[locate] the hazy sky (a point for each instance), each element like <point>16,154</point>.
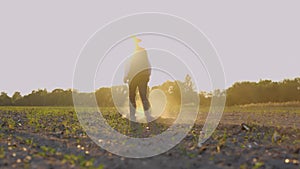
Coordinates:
<point>40,41</point>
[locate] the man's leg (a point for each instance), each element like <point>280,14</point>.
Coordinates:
<point>146,104</point>
<point>143,89</point>
<point>132,103</point>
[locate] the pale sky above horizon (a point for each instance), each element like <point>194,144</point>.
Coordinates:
<point>40,41</point>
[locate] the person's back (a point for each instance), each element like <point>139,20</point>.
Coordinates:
<point>138,66</point>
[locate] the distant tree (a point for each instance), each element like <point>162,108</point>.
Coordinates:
<point>5,100</point>
<point>104,97</point>
<point>120,95</point>
<point>16,96</point>
<point>60,97</point>
<point>188,83</point>
<point>189,95</point>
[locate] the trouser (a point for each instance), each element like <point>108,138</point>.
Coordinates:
<point>140,82</point>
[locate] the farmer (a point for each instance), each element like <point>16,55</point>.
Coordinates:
<point>137,75</point>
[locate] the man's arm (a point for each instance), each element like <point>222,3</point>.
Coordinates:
<point>126,71</point>
<point>148,64</point>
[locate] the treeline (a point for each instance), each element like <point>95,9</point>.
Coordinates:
<point>240,93</point>
<point>104,96</point>
<point>264,91</point>
<point>41,97</point>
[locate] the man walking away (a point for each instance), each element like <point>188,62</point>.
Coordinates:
<point>137,75</point>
